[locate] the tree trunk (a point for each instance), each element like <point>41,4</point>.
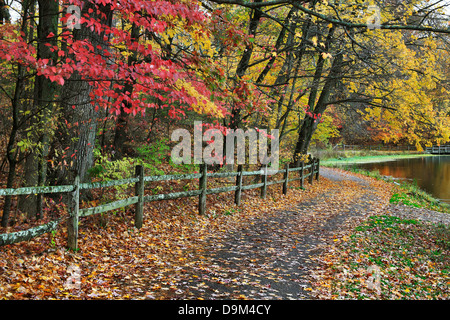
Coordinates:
<point>77,109</point>
<point>4,13</point>
<point>44,95</point>
<point>310,124</point>
<point>11,154</point>
<point>120,133</point>
<point>243,64</point>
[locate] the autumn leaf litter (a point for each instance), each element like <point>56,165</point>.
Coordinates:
<point>303,245</point>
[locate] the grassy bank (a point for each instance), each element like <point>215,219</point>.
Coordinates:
<point>340,158</point>
<point>408,193</point>
<point>389,258</point>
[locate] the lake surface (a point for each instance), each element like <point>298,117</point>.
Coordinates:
<point>431,173</point>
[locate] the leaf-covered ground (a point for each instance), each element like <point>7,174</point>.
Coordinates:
<point>117,261</point>
<point>388,258</point>
<point>317,243</point>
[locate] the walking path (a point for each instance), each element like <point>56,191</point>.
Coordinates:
<point>272,258</point>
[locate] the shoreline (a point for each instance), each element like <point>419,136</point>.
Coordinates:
<point>411,192</point>
<point>371,159</point>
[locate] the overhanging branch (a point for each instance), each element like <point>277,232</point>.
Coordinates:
<point>347,24</point>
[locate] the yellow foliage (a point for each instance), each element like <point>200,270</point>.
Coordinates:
<point>203,104</point>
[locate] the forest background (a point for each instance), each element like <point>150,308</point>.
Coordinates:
<point>96,87</point>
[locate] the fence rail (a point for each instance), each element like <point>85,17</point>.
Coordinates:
<point>438,149</point>
<point>346,147</point>
<point>310,171</point>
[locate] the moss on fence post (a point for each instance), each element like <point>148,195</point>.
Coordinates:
<point>302,174</point>
<point>139,191</point>
<point>237,194</point>
<point>318,169</point>
<point>286,179</point>
<point>72,223</point>
<point>311,172</point>
<point>202,187</point>
<point>264,181</point>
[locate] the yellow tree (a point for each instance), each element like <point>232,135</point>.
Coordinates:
<point>343,62</point>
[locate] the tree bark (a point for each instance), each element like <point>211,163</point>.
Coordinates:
<point>4,13</point>
<point>310,123</point>
<point>121,129</point>
<point>11,149</point>
<point>243,64</point>
<point>77,109</point>
<point>44,95</point>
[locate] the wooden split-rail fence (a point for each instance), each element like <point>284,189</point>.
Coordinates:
<point>309,171</point>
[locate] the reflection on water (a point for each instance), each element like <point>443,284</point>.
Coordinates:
<point>431,173</point>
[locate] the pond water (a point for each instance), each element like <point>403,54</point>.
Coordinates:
<point>431,173</point>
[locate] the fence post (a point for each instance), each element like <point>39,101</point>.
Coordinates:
<point>286,178</point>
<point>202,186</point>
<point>318,169</point>
<point>72,223</point>
<point>264,180</point>
<point>302,172</point>
<point>311,171</point>
<point>237,194</point>
<point>139,191</point>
